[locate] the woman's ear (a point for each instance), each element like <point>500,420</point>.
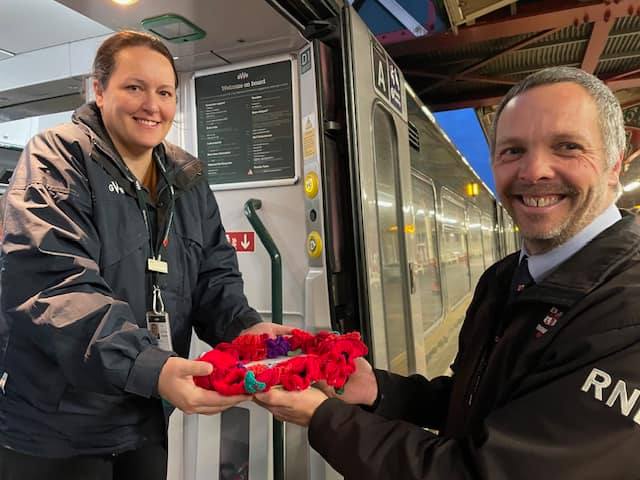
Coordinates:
<point>98,91</point>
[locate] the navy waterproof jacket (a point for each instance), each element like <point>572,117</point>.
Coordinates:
<point>78,368</point>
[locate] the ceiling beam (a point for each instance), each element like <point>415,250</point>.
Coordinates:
<point>597,41</point>
<point>485,61</point>
<point>469,78</point>
<point>624,83</point>
<point>531,18</point>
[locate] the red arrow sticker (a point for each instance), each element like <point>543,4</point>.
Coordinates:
<point>242,241</point>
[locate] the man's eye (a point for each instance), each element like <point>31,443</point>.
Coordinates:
<point>133,88</point>
<point>510,153</point>
<point>569,147</point>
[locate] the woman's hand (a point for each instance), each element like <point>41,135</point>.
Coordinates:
<point>273,329</point>
<point>176,386</point>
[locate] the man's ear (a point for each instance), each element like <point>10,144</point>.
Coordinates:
<point>614,172</point>
<point>98,92</point>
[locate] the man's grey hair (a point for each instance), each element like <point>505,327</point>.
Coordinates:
<point>610,117</point>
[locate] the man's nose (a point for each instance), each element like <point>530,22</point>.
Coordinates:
<point>536,165</point>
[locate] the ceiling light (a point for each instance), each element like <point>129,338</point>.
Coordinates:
<point>7,52</point>
<point>631,186</point>
<point>173,28</point>
<point>125,2</point>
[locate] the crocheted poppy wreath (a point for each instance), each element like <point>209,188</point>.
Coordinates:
<point>255,363</point>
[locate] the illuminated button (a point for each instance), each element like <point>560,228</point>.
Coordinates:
<point>314,244</point>
<point>311,184</point>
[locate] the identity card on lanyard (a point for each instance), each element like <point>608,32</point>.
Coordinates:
<point>157,318</point>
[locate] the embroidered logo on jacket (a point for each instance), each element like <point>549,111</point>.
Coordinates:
<point>115,188</point>
<point>601,380</point>
<point>548,322</point>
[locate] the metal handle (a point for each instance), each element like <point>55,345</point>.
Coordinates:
<point>250,208</point>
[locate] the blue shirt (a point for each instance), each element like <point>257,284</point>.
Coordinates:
<point>542,265</point>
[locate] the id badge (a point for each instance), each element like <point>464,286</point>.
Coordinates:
<point>160,329</point>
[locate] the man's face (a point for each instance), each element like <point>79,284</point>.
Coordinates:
<point>550,165</point>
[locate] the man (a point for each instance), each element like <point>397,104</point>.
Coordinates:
<point>546,383</point>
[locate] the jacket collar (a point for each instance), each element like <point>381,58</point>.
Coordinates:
<point>587,268</point>
<point>183,169</point>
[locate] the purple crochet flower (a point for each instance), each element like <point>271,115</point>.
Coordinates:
<point>277,347</point>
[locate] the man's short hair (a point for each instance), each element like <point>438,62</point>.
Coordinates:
<point>610,117</point>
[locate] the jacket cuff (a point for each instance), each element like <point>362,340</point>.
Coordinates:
<point>143,377</point>
<point>240,323</point>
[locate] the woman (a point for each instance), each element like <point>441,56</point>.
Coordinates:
<point>111,233</point>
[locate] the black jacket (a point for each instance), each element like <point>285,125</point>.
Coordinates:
<point>80,368</point>
<point>546,387</point>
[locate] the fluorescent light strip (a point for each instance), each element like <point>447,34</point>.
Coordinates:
<point>7,52</point>
<point>631,186</point>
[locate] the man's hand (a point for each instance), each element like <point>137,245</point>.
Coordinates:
<point>360,389</point>
<point>294,407</point>
<point>176,386</point>
<point>273,329</point>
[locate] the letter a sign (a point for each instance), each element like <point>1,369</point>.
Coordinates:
<point>381,72</point>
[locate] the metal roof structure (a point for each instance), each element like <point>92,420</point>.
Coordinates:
<point>475,64</point>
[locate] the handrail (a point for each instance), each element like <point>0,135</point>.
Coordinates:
<point>250,208</point>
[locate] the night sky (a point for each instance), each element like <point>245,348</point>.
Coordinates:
<point>463,128</point>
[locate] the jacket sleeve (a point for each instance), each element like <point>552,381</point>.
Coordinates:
<point>575,419</point>
<point>221,310</point>
<point>54,300</point>
<point>404,398</point>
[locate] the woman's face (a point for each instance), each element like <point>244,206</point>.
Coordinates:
<point>139,101</point>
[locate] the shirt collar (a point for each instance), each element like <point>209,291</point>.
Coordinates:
<point>542,265</point>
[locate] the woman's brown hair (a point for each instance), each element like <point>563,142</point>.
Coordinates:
<point>105,61</point>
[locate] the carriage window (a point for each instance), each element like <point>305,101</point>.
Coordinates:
<point>488,246</point>
<point>427,269</point>
<point>476,261</point>
<point>454,251</point>
<point>509,234</point>
<point>388,207</point>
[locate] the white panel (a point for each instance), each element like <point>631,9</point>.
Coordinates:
<point>48,64</point>
<point>81,55</point>
<point>28,25</point>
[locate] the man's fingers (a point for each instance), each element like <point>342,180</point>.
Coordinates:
<point>274,398</point>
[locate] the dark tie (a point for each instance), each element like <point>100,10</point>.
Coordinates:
<point>521,278</point>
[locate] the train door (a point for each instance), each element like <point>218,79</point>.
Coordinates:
<point>381,180</point>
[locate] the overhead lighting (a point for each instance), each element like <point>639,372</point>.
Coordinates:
<point>173,28</point>
<point>125,2</point>
<point>631,186</point>
<point>7,52</point>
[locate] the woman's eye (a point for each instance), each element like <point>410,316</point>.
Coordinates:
<point>133,88</point>
<point>166,93</point>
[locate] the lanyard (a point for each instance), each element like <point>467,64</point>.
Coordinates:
<point>156,247</point>
<point>155,264</point>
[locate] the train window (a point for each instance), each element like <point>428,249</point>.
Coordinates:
<point>454,249</point>
<point>476,261</point>
<point>488,244</point>
<point>427,268</point>
<point>509,234</point>
<point>234,444</point>
<point>389,211</point>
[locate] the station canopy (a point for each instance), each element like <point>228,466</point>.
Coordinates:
<point>487,46</point>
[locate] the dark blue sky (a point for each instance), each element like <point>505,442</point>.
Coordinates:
<point>464,129</point>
